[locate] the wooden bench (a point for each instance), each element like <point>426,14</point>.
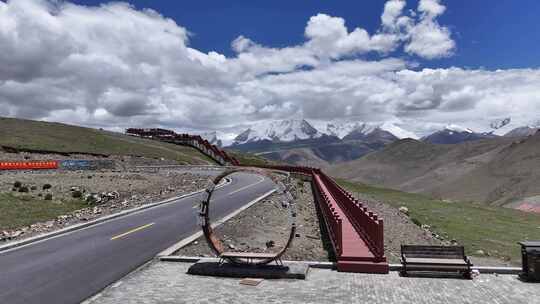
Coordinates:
<point>250,257</point>
<point>435,258</point>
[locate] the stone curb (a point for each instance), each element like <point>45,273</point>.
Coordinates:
<point>188,259</point>
<point>332,265</point>
<point>481,269</point>
<point>196,235</point>
<point>80,226</point>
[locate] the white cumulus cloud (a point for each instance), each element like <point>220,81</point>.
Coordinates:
<point>114,66</point>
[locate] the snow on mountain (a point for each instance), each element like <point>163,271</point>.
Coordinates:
<point>453,134</point>
<point>523,131</point>
<point>342,129</point>
<point>278,130</point>
<point>212,138</point>
<point>509,127</point>
<point>459,129</point>
<point>398,131</point>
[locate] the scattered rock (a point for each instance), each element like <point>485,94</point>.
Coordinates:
<point>480,252</point>
<point>48,197</point>
<point>76,194</point>
<point>47,186</point>
<point>404,210</point>
<point>425,227</point>
<point>270,244</point>
<point>17,184</point>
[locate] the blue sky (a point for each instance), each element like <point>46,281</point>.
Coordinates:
<point>497,34</point>
<point>412,66</point>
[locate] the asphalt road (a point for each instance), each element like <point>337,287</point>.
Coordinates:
<point>74,266</point>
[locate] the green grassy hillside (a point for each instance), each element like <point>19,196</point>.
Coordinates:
<point>57,137</point>
<point>495,230</point>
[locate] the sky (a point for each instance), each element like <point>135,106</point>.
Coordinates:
<point>201,66</point>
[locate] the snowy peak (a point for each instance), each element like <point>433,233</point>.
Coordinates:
<point>344,129</point>
<point>455,128</point>
<point>212,138</point>
<point>279,130</point>
<point>454,134</point>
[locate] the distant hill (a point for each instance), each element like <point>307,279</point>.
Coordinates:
<point>496,171</point>
<point>32,135</point>
<point>453,134</point>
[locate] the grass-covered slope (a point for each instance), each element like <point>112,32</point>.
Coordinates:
<point>18,211</point>
<point>494,230</point>
<point>57,137</point>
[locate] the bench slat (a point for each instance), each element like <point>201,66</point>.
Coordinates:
<point>436,261</point>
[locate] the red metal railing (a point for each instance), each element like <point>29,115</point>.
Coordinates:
<point>364,221</point>
<point>195,141</point>
<point>333,221</point>
<point>337,205</point>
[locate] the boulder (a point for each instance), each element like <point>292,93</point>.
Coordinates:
<point>404,210</point>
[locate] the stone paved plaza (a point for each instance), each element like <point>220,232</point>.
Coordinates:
<point>167,282</point>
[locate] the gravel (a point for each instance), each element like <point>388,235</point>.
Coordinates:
<point>265,227</point>
<point>106,192</point>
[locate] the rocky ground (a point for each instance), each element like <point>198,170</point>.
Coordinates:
<point>265,227</point>
<point>122,162</point>
<point>102,192</point>
<point>400,229</point>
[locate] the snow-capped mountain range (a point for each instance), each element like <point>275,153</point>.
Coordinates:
<point>278,130</point>
<point>290,130</point>
<point>299,129</point>
<point>342,129</point>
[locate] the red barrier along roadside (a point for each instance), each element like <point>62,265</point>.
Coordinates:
<point>357,234</point>
<point>30,165</point>
<point>195,141</point>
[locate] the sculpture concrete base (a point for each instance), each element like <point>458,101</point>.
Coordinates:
<point>297,271</point>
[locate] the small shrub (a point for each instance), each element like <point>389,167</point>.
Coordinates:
<point>76,194</point>
<point>40,194</point>
<point>24,189</point>
<point>47,186</point>
<point>14,189</point>
<point>17,184</point>
<point>33,188</point>
<point>48,197</point>
<point>416,222</point>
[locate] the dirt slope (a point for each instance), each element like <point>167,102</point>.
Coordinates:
<point>494,171</point>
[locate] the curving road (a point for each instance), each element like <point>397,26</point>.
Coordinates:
<point>74,266</point>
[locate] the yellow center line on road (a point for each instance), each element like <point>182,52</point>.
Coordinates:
<point>245,187</point>
<point>131,231</point>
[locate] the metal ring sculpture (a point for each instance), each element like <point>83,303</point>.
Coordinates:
<point>214,242</point>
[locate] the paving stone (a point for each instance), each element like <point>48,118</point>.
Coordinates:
<point>167,282</point>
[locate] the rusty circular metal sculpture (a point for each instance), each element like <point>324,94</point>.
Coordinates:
<point>213,241</point>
